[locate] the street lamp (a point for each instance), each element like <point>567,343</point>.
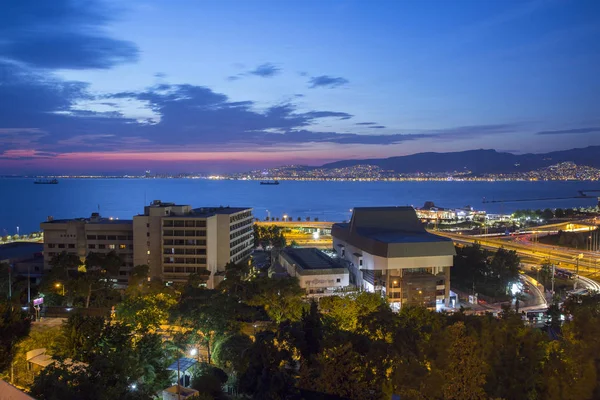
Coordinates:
<point>285,217</point>
<point>58,285</point>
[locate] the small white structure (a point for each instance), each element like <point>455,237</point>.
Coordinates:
<point>317,273</point>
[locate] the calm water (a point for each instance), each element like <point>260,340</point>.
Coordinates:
<point>25,205</point>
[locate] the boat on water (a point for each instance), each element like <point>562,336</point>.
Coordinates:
<point>46,181</point>
<point>269,182</point>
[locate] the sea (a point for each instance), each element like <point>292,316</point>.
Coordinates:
<point>24,205</point>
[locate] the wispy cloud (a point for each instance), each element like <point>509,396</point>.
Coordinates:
<point>571,131</point>
<point>266,70</point>
<point>376,126</point>
<point>366,123</point>
<point>327,81</point>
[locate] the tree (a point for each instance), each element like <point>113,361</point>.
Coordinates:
<point>268,376</point>
<point>465,377</point>
<point>146,312</point>
<point>207,312</point>
<point>14,327</point>
<point>6,280</point>
<point>344,372</point>
<point>547,214</point>
<point>80,334</point>
<point>209,380</point>
<point>560,213</point>
<point>231,353</point>
<point>120,365</point>
<point>281,298</point>
<point>343,312</point>
<point>94,275</point>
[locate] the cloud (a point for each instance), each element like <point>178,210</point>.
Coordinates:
<point>377,127</point>
<point>327,81</point>
<point>469,131</point>
<point>570,131</point>
<point>266,70</point>
<point>66,34</point>
<point>366,123</point>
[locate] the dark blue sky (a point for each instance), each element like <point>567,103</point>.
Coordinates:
<point>216,85</point>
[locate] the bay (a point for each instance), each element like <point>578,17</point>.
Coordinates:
<point>25,205</point>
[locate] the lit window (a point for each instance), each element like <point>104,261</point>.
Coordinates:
<point>122,246</point>
<point>111,246</point>
<point>148,252</point>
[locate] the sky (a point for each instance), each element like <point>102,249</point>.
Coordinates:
<point>230,85</point>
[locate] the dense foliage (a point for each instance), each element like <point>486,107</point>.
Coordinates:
<point>350,346</point>
<point>479,270</point>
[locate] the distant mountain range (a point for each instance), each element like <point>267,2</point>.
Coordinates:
<point>477,161</point>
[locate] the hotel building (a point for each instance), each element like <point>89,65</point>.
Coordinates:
<point>177,240</point>
<point>390,252</point>
<point>80,236</point>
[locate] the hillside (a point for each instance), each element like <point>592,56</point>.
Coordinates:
<point>477,161</point>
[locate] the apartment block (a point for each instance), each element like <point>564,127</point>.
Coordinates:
<point>177,240</point>
<point>81,236</point>
<point>390,252</point>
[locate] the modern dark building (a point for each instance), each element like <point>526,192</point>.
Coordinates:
<point>389,251</point>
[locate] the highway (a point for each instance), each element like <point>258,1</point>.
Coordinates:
<point>589,265</point>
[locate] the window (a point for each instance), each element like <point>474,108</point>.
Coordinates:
<point>122,237</point>
<point>148,252</point>
<point>51,245</point>
<point>112,237</point>
<point>130,247</point>
<point>91,237</point>
<point>91,246</point>
<point>122,246</point>
<point>101,237</point>
<point>147,234</point>
<point>147,225</point>
<point>71,246</point>
<point>111,246</point>
<point>338,280</point>
<point>360,262</point>
<point>61,246</point>
<point>101,246</point>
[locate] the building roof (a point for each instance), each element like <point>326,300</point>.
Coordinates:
<point>209,211</point>
<point>19,250</point>
<point>92,220</point>
<point>9,392</point>
<point>184,364</point>
<point>391,232</point>
<point>310,259</point>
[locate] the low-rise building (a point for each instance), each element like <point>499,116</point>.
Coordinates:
<point>317,273</point>
<point>178,240</point>
<point>390,252</point>
<point>80,236</point>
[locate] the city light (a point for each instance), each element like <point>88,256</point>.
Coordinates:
<point>193,352</point>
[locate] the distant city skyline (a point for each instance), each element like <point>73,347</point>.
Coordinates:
<point>222,86</point>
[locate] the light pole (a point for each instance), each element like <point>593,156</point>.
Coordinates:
<point>285,217</point>
<point>58,285</point>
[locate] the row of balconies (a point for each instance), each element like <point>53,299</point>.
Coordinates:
<point>184,223</point>
<point>186,242</point>
<point>184,233</point>
<point>184,251</point>
<point>184,261</point>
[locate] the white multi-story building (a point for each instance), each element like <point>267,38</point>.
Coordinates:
<point>389,251</point>
<point>177,240</point>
